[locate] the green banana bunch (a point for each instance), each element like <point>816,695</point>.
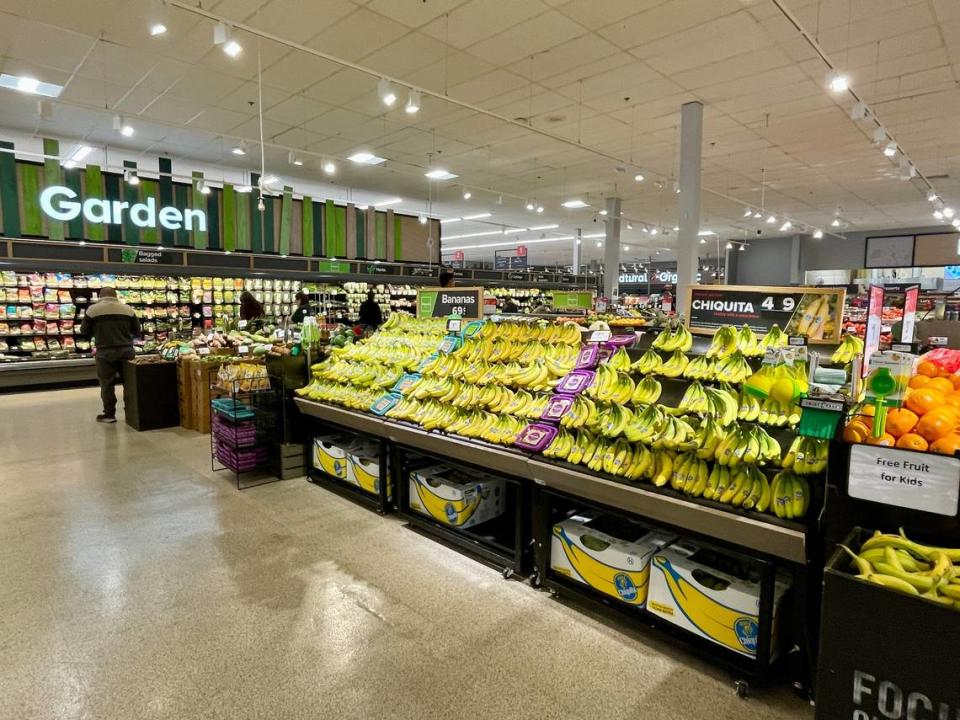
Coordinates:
<point>807,456</point>
<point>791,495</point>
<point>724,342</point>
<point>850,346</point>
<point>648,364</point>
<point>733,369</point>
<point>614,420</point>
<point>675,434</point>
<point>620,360</point>
<point>675,365</point>
<point>700,368</point>
<point>645,425</point>
<point>677,338</point>
<point>580,411</point>
<point>561,446</point>
<point>747,344</point>
<point>694,400</point>
<point>775,338</point>
<point>646,392</point>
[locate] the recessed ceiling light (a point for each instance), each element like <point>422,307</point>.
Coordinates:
<point>391,201</point>
<point>477,216</point>
<point>385,90</point>
<point>30,85</point>
<point>575,204</point>
<point>440,174</point>
<point>366,158</point>
<point>329,167</point>
<point>817,234</point>
<point>639,177</point>
<point>158,29</point>
<point>836,82</point>
<point>239,149</point>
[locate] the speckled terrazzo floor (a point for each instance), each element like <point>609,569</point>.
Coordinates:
<point>135,583</point>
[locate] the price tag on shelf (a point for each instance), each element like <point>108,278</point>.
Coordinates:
<point>797,341</point>
<point>297,335</point>
<point>937,341</point>
<point>454,325</point>
<point>919,481</point>
<point>278,333</point>
<point>203,351</point>
<point>599,336</point>
<point>242,324</point>
<point>243,349</point>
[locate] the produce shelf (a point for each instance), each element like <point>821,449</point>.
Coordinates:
<point>363,422</point>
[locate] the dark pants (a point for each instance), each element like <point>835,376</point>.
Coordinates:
<point>109,373</point>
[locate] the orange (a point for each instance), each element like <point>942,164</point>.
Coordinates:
<point>912,441</point>
<point>900,421</point>
<point>928,368</point>
<point>923,400</point>
<point>940,384</point>
<point>947,445</point>
<point>946,411</point>
<point>918,381</point>
<point>855,432</point>
<point>935,425</point>
<point>887,440</point>
<point>955,379</point>
<point>868,410</point>
<point>953,400</point>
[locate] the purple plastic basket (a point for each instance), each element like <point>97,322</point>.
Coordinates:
<point>622,340</point>
<point>588,357</point>
<point>536,436</point>
<point>241,460</point>
<point>574,383</point>
<point>557,407</point>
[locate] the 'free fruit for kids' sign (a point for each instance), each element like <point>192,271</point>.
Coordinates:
<point>467,302</point>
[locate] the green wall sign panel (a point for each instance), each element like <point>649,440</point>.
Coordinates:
<point>333,266</point>
<point>9,194</point>
<point>52,176</point>
<point>572,300</point>
<point>93,187</point>
<point>131,196</point>
<point>168,238</point>
<point>286,220</point>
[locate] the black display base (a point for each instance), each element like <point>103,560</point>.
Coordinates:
<point>347,490</point>
<point>150,395</point>
<point>884,654</point>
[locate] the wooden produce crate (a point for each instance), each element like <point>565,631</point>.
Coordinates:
<point>202,375</point>
<point>185,394</point>
<point>291,460</point>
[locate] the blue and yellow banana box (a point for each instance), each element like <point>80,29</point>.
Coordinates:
<point>455,498</point>
<point>363,467</point>
<point>610,555</point>
<point>330,455</point>
<point>712,595</point>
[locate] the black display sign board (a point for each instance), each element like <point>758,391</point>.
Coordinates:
<point>422,271</point>
<point>379,269</point>
<point>509,262</point>
<point>814,313</point>
<point>517,276</point>
<point>442,302</point>
<point>150,256</point>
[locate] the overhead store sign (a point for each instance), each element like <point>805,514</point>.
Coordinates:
<point>59,203</point>
<point>465,302</point>
<point>572,300</point>
<point>658,276</point>
<point>814,313</point>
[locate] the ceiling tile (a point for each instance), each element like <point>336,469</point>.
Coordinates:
<point>530,37</point>
<point>477,20</point>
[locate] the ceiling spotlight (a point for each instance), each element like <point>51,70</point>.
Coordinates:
<point>890,149</point>
<point>222,36</point>
<point>603,212</point>
<point>629,226</point>
<point>817,234</point>
<point>387,96</point>
<point>413,103</point>
<point>122,126</point>
<point>771,219</point>
<point>539,208</point>
<point>599,243</point>
<point>676,228</point>
<point>676,186</point>
<point>743,246</point>
<point>158,29</point>
<point>131,177</point>
<point>703,241</point>
<point>786,226</point>
<point>423,219</point>
<point>329,167</point>
<point>239,149</point>
<point>626,248</point>
<point>757,215</point>
<point>835,223</point>
<point>879,135</point>
<point>530,206</point>
<point>294,159</point>
<point>729,245</point>
<point>467,194</point>
<point>836,82</point>
<point>654,231</point>
<point>859,111</point>
<point>261,205</point>
<point>748,212</point>
<point>646,229</point>
<point>202,187</point>
<point>938,214</point>
<point>932,196</point>
<point>948,212</point>
<point>639,177</point>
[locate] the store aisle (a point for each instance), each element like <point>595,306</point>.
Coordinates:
<point>135,583</point>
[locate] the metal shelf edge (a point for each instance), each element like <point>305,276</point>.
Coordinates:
<point>347,418</point>
<point>744,531</point>
<point>464,450</point>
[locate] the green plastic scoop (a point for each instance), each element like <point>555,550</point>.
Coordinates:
<point>880,384</point>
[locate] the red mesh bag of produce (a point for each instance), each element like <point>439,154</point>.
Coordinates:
<point>945,358</point>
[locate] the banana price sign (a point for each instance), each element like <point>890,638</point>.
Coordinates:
<point>813,313</point>
<point>465,302</point>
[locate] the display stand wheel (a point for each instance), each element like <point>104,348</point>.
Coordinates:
<point>507,573</point>
<point>743,689</point>
<point>535,580</point>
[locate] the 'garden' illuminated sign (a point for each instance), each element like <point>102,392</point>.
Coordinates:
<point>59,203</point>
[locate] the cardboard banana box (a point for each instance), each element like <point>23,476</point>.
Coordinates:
<point>615,562</point>
<point>456,498</point>
<point>363,467</point>
<point>330,455</point>
<point>708,601</point>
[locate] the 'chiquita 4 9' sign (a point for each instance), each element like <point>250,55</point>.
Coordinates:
<point>60,203</point>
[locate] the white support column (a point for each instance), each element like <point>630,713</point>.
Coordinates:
<point>691,142</point>
<point>611,250</point>
<point>576,251</point>
<point>796,277</point>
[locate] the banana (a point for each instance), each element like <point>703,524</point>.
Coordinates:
<point>664,468</point>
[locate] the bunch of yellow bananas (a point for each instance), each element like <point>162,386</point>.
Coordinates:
<point>675,365</point>
<point>702,399</point>
<point>745,486</point>
<point>646,392</point>
<point>346,395</point>
<point>700,368</point>
<point>580,411</point>
<point>620,360</point>
<point>791,495</point>
<point>850,346</point>
<point>709,435</point>
<point>724,343</point>
<point>676,338</point>
<point>614,420</point>
<point>648,364</point>
<point>775,338</point>
<point>689,474</point>
<point>675,433</point>
<point>748,445</point>
<point>645,425</point>
<point>733,369</point>
<point>521,330</point>
<point>504,431</point>
<point>807,456</point>
<point>911,568</point>
<point>611,385</point>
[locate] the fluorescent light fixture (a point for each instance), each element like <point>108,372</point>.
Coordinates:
<point>593,236</point>
<point>486,233</point>
<point>79,154</point>
<point>748,212</point>
<point>511,243</point>
<point>366,158</point>
<point>575,204</point>
<point>440,174</point>
<point>836,82</point>
<point>948,212</point>
<point>938,214</point>
<point>639,177</point>
<point>244,189</point>
<point>413,103</point>
<point>467,194</point>
<point>706,233</point>
<point>329,167</point>
<point>817,234</point>
<point>890,149</point>
<point>835,223</point>
<point>28,85</point>
<point>239,149</point>
<point>531,205</point>
<point>477,216</point>
<point>771,219</point>
<point>511,231</point>
<point>450,220</point>
<point>157,28</point>
<point>387,96</point>
<point>932,196</point>
<point>69,164</point>
<point>363,206</point>
<point>729,245</point>
<point>294,159</point>
<point>423,219</point>
<point>544,227</point>
<point>391,201</point>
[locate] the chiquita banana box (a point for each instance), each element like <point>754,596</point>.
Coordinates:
<point>363,467</point>
<point>721,605</point>
<point>455,498</point>
<point>582,551</point>
<point>330,455</point>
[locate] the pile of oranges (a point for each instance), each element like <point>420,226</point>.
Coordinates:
<point>928,421</point>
